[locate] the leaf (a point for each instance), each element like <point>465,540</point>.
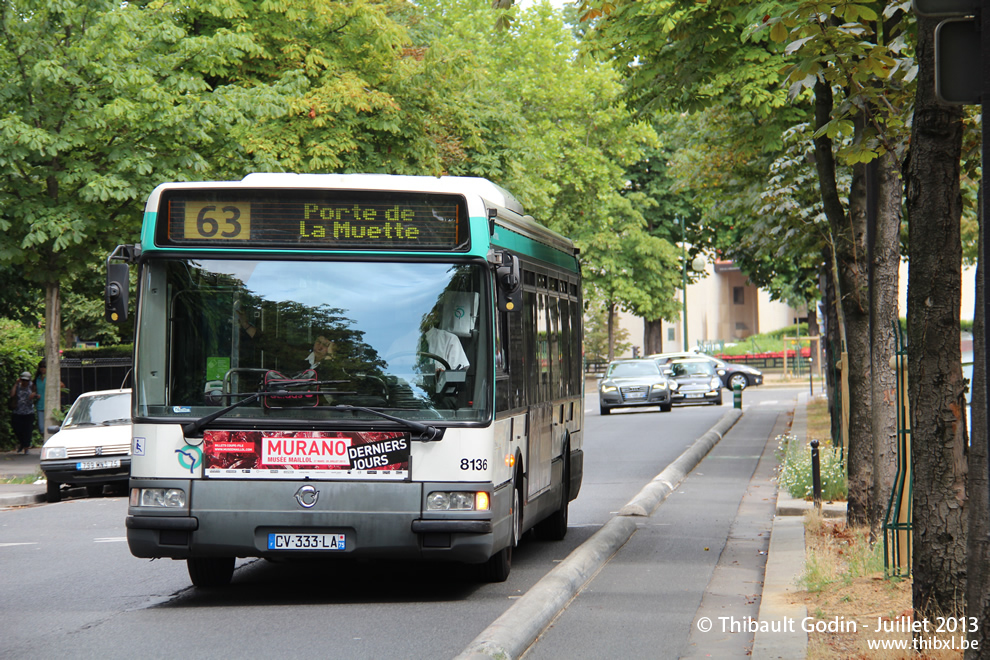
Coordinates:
<point>779,33</point>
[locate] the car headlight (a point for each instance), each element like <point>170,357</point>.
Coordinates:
<point>457,501</point>
<point>673,385</point>
<point>660,386</point>
<point>716,383</point>
<point>53,453</point>
<point>164,498</point>
<point>609,388</point>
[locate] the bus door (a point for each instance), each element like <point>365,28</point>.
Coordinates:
<point>541,412</point>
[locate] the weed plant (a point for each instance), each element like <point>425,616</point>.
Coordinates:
<point>795,472</point>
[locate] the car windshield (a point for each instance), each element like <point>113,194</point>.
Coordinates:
<point>692,369</point>
<point>100,409</point>
<point>407,338</point>
<point>633,369</point>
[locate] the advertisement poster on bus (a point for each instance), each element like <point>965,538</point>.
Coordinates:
<point>298,454</point>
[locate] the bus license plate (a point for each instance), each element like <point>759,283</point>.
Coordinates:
<point>98,465</point>
<point>306,542</point>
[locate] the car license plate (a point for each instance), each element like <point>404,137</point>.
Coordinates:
<point>635,395</point>
<point>306,542</point>
<point>694,396</point>
<point>98,465</point>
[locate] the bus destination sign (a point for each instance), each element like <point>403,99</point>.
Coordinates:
<point>314,219</point>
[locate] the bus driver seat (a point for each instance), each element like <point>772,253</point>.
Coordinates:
<point>458,318</point>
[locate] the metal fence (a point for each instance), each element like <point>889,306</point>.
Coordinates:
<point>80,375</point>
<point>897,524</point>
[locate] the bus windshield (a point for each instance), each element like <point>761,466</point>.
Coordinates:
<point>407,338</point>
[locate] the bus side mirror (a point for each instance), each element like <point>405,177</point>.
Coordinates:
<point>508,282</point>
<point>115,298</point>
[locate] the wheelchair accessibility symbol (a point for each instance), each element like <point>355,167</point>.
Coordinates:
<point>190,457</point>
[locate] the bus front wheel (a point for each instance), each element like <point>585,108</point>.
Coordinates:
<point>210,571</point>
<point>498,566</point>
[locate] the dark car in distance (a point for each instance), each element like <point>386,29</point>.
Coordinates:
<point>730,373</point>
<point>695,381</point>
<point>629,383</point>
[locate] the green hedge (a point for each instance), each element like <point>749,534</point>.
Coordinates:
<point>21,349</point>
<point>118,351</point>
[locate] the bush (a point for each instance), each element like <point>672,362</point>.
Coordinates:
<point>795,471</point>
<point>21,350</point>
<point>116,351</point>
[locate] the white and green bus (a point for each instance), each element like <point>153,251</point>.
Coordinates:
<point>349,366</point>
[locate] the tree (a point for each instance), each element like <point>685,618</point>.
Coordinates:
<point>671,215</point>
<point>558,135</point>
<point>103,101</point>
<point>936,387</point>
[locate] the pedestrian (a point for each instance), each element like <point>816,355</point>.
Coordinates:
<point>22,397</point>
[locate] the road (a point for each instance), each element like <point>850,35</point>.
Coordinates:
<point>71,588</point>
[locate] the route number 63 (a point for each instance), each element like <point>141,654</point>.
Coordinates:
<point>217,221</point>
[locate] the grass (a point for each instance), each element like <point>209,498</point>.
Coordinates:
<point>22,479</point>
<point>844,581</point>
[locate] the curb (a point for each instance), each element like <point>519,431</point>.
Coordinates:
<point>784,637</point>
<point>21,499</point>
<point>512,633</point>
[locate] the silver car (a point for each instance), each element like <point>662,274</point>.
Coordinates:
<point>629,383</point>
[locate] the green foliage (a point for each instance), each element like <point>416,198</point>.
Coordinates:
<point>596,332</point>
<point>21,349</point>
<point>795,473</point>
<point>871,61</point>
<point>555,131</point>
<point>117,351</point>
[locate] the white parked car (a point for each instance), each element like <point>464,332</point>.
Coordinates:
<point>92,448</point>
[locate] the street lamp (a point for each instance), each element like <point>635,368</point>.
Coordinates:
<point>697,265</point>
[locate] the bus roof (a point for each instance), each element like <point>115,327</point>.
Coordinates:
<point>490,192</point>
<point>510,212</point>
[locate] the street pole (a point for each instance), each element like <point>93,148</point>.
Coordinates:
<point>684,281</point>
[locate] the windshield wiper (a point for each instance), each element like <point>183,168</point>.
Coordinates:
<point>427,432</point>
<point>119,420</point>
<point>191,429</point>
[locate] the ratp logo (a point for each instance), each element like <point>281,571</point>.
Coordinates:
<point>190,457</point>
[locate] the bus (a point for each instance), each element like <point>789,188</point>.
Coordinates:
<point>360,365</point>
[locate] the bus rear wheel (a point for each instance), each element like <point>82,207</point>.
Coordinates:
<point>554,526</point>
<point>210,571</point>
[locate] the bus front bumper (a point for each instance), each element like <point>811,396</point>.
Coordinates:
<point>377,520</point>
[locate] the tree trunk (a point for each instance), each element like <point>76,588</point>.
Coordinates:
<point>886,256</point>
<point>831,345</point>
<point>652,337</point>
<point>935,383</point>
<point>853,281</point>
<point>978,546</point>
<point>611,329</point>
<point>53,358</point>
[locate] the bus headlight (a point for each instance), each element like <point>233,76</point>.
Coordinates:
<point>166,498</point>
<point>457,501</point>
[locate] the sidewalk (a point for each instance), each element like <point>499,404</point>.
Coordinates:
<point>786,563</point>
<point>13,464</point>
